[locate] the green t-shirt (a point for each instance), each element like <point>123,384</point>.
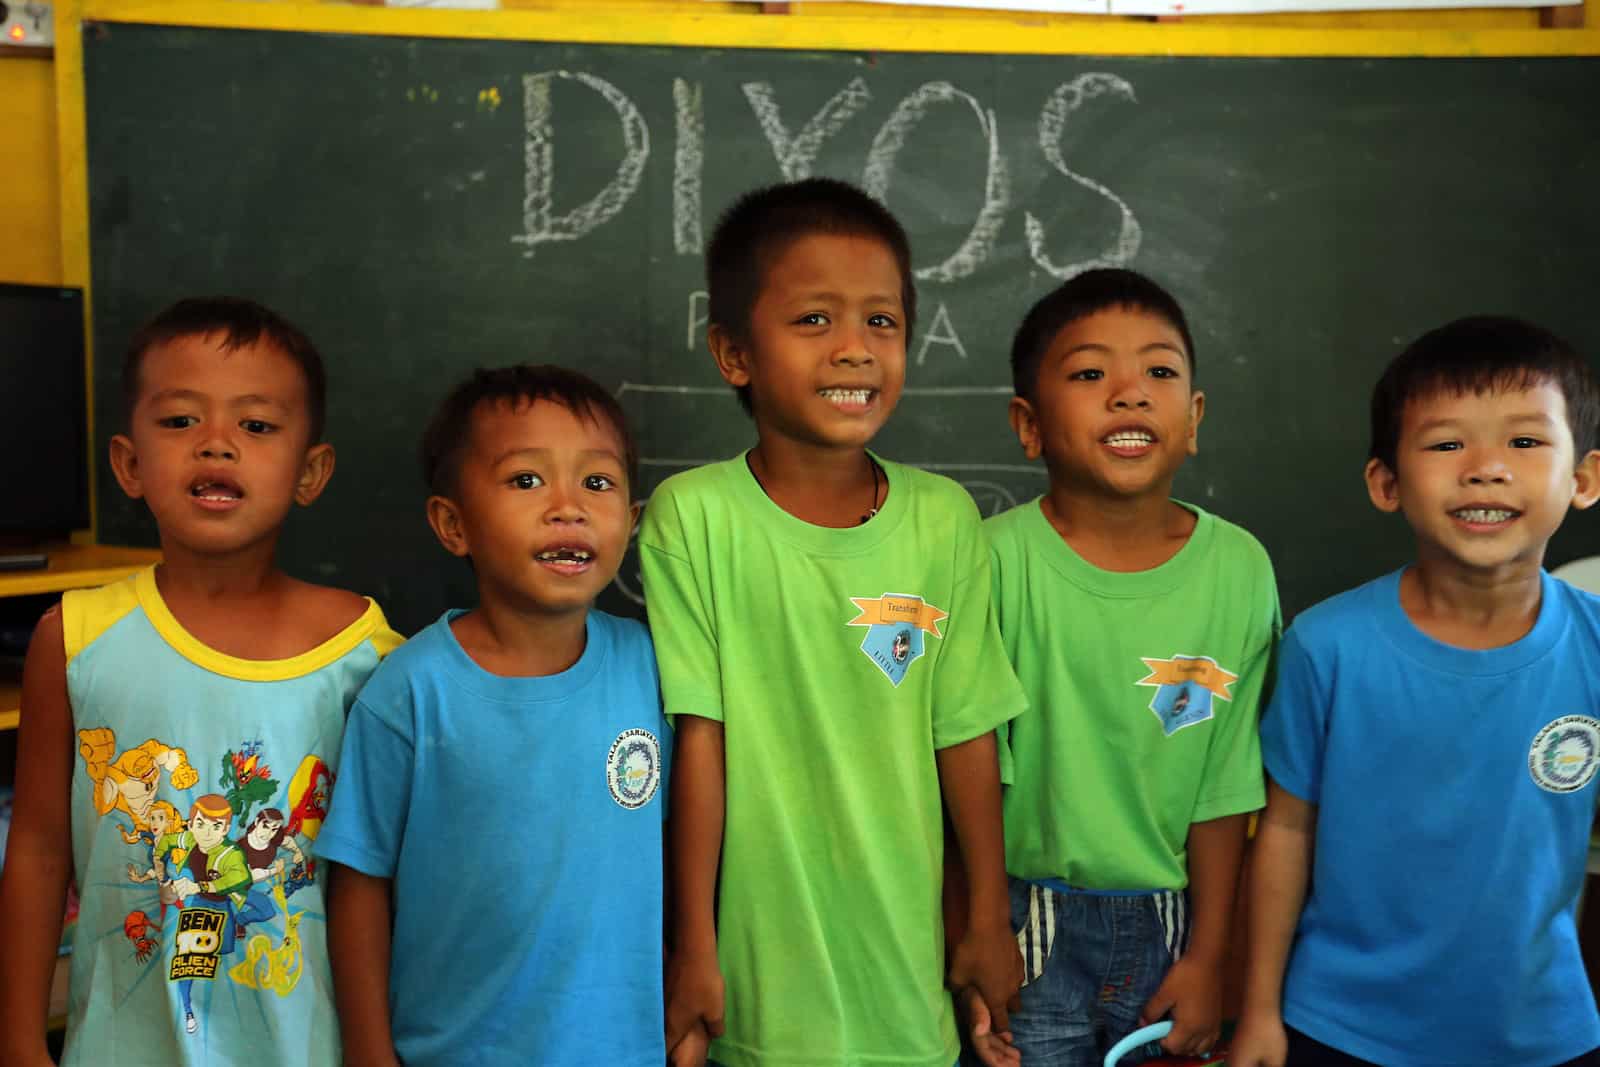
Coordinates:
<point>838,661</point>
<point>1145,690</point>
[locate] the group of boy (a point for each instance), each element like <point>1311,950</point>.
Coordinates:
<point>850,675</point>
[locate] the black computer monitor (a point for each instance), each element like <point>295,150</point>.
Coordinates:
<point>44,446</point>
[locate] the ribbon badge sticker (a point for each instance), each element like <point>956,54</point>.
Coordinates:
<point>895,625</point>
<point>1185,686</point>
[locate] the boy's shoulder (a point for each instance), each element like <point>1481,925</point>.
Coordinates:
<point>706,479</point>
<point>1355,611</point>
<point>930,489</point>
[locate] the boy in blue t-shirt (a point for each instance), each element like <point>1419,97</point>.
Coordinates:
<point>1433,739</point>
<point>497,820</point>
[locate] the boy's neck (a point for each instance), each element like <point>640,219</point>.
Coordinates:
<point>515,643</point>
<point>833,487</point>
<point>1472,609</point>
<point>1122,534</point>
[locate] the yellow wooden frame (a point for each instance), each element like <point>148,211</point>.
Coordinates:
<point>982,33</point>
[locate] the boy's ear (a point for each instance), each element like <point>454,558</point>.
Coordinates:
<point>1197,411</point>
<point>733,358</point>
<point>1586,481</point>
<point>445,518</point>
<point>315,471</point>
<point>635,509</point>
<point>125,465</point>
<point>1025,424</point>
<point>1383,486</point>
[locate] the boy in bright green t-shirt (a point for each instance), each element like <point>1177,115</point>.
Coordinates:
<point>824,629</point>
<point>1142,630</point>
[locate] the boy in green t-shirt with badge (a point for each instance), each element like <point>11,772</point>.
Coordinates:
<point>1142,630</point>
<point>823,626</point>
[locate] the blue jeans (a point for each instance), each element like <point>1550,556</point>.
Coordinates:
<point>1091,961</point>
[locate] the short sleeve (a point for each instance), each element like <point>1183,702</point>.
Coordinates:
<point>1233,783</point>
<point>1002,733</point>
<point>366,822</point>
<point>681,621</point>
<point>974,687</point>
<point>1296,723</point>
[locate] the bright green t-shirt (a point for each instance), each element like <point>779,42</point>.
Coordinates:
<point>838,661</point>
<point>1145,689</point>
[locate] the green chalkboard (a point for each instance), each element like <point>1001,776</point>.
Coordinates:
<point>422,206</point>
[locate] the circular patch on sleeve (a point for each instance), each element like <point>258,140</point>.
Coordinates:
<point>633,768</point>
<point>1565,754</point>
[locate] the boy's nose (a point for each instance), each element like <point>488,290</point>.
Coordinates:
<point>852,350</point>
<point>217,448</point>
<point>1130,394</point>
<point>564,507</point>
<point>1485,470</point>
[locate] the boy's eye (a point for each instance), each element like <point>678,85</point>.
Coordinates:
<point>526,480</point>
<point>257,426</point>
<point>882,322</point>
<point>812,318</point>
<point>1445,446</point>
<point>1090,374</point>
<point>1163,372</point>
<point>599,483</point>
<point>177,422</point>
<point>1525,442</point>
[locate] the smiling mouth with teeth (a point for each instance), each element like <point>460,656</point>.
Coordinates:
<point>1128,439</point>
<point>1485,516</point>
<point>857,397</point>
<point>565,555</point>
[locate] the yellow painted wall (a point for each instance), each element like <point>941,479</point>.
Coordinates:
<point>30,221</point>
<point>31,247</point>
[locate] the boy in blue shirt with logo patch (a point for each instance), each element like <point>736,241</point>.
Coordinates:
<point>1433,739</point>
<point>497,820</point>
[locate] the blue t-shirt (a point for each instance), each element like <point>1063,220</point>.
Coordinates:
<point>1454,792</point>
<point>520,821</point>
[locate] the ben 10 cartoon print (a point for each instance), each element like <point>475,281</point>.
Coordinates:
<point>208,870</point>
<point>1185,687</point>
<point>895,625</point>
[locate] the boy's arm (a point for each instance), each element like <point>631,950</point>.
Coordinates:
<point>1280,869</point>
<point>694,980</point>
<point>1192,989</point>
<point>38,861</point>
<point>359,914</point>
<point>987,957</point>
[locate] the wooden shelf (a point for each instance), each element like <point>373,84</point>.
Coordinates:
<point>77,567</point>
<point>71,567</point>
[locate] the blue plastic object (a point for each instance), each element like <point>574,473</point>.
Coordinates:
<point>1153,1032</point>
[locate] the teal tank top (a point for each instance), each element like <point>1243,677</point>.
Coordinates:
<point>201,781</point>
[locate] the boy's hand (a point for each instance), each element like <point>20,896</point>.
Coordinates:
<point>691,1051</point>
<point>993,1046</point>
<point>1192,993</point>
<point>1259,1042</point>
<point>988,960</point>
<point>694,996</point>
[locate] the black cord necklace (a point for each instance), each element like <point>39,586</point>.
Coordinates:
<point>876,471</point>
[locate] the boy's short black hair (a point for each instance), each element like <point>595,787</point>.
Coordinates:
<point>1482,354</point>
<point>1079,297</point>
<point>241,323</point>
<point>446,438</point>
<point>762,223</point>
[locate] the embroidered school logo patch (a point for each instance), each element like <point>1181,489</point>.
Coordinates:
<point>633,768</point>
<point>1565,754</point>
<point>1185,686</point>
<point>895,624</point>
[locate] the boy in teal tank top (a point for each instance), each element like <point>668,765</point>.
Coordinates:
<point>1142,630</point>
<point>166,718</point>
<point>823,628</point>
